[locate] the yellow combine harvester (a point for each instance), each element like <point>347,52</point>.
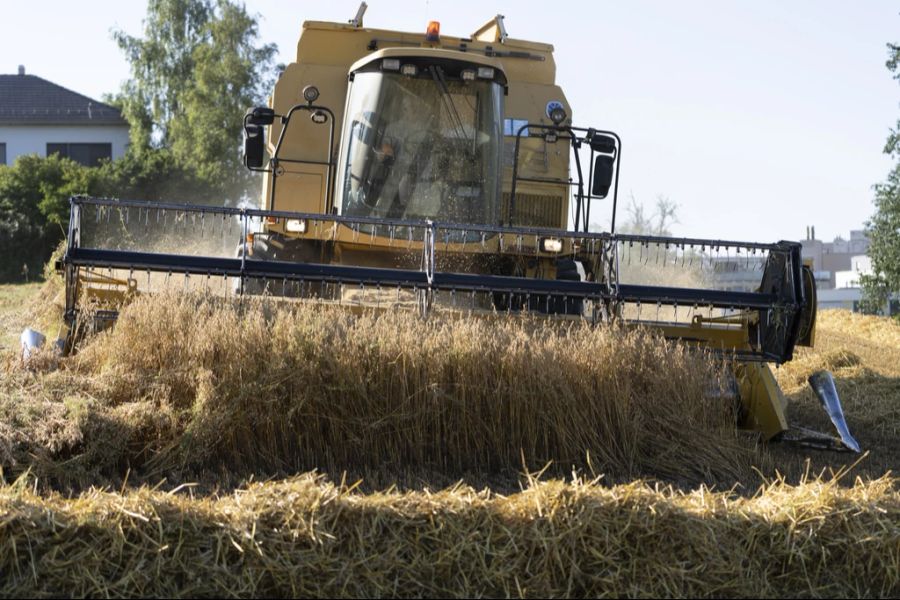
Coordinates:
<point>441,172</point>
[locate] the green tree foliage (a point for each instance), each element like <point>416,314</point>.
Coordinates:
<point>195,71</point>
<point>884,226</point>
<point>154,175</point>
<point>35,192</point>
<point>34,209</point>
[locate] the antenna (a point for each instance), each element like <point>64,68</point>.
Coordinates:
<point>357,21</point>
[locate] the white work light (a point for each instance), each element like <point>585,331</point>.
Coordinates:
<point>551,245</point>
<point>295,225</point>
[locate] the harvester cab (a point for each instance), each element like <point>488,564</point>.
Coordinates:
<point>445,173</point>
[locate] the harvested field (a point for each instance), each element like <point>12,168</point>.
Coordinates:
<point>306,537</point>
<point>188,403</point>
<point>13,319</point>
<point>863,352</point>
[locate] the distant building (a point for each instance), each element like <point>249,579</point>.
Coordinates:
<point>859,265</point>
<point>837,267</point>
<point>830,258</point>
<point>40,117</point>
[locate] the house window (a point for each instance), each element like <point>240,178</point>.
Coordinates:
<point>89,155</point>
<point>2,154</point>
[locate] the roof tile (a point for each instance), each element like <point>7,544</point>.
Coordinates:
<point>31,100</point>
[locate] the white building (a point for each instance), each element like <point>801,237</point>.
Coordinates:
<point>40,117</point>
<point>847,292</point>
<point>859,265</point>
<point>836,265</point>
<point>830,258</point>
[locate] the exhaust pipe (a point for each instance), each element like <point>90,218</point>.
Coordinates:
<point>822,384</point>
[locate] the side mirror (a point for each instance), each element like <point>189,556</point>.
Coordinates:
<point>603,175</point>
<point>254,146</point>
<point>260,115</point>
<point>603,143</point>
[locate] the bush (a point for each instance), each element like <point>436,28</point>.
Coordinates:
<point>34,209</point>
<point>35,192</point>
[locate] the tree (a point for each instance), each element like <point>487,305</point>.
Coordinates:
<point>35,192</point>
<point>194,72</point>
<point>34,209</point>
<point>638,222</point>
<point>883,228</point>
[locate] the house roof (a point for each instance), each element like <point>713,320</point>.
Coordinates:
<point>30,100</point>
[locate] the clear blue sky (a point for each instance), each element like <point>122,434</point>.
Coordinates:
<point>757,118</point>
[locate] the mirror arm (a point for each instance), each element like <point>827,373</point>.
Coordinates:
<point>576,144</point>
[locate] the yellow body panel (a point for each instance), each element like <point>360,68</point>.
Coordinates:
<point>762,399</point>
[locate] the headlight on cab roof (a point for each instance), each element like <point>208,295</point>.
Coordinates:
<point>295,225</point>
<point>485,72</point>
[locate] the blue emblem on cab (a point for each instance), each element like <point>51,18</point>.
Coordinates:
<point>553,104</point>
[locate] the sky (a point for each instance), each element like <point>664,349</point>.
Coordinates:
<point>756,118</point>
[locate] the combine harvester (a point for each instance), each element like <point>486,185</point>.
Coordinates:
<point>442,173</point>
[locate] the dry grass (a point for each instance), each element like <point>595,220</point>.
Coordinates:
<point>306,537</point>
<point>186,384</point>
<point>18,302</point>
<point>863,352</point>
<point>188,388</point>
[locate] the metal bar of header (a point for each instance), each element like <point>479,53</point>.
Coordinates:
<point>469,227</point>
<point>116,202</point>
<point>688,242</point>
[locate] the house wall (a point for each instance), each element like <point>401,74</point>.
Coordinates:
<point>33,139</point>
<point>847,298</point>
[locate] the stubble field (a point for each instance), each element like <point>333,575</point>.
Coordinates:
<point>206,449</point>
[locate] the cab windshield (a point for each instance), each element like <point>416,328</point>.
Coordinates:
<point>423,147</point>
